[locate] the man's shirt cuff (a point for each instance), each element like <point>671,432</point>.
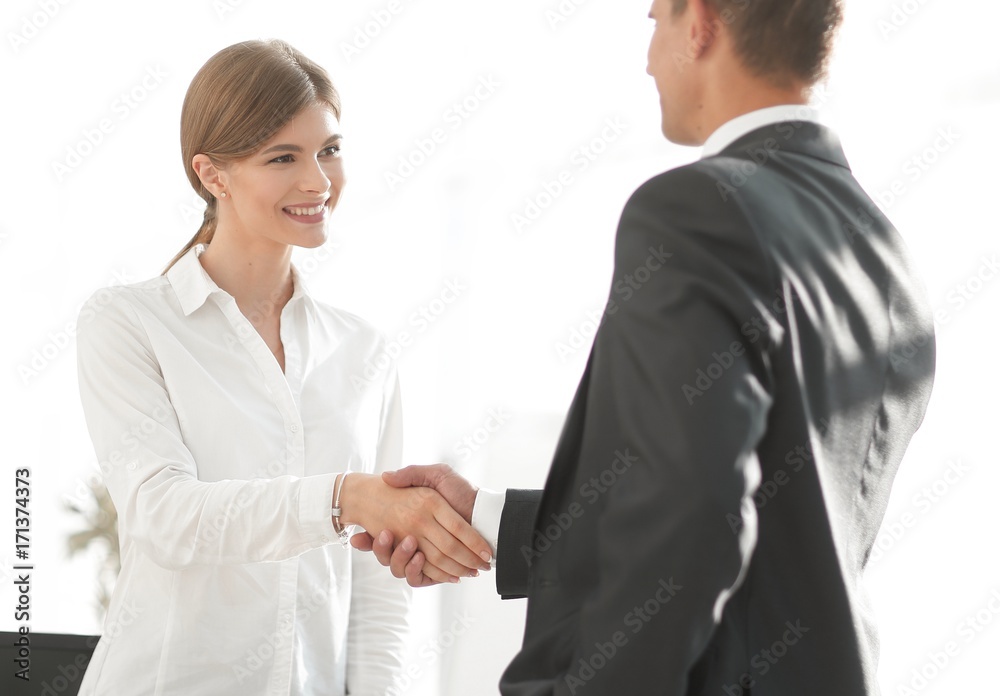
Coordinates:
<point>486,512</point>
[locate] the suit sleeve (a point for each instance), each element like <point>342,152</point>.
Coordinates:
<point>677,402</point>
<point>517,522</point>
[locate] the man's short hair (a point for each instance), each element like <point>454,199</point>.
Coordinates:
<point>780,39</point>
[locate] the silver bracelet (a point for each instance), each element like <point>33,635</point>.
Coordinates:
<point>343,533</point>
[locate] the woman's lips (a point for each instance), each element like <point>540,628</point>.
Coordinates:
<point>307,213</point>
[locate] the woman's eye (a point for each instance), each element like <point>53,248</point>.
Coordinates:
<point>332,151</point>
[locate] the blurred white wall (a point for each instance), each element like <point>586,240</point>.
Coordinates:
<point>97,88</point>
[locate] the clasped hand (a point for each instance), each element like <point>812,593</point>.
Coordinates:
<point>428,508</point>
<point>422,557</point>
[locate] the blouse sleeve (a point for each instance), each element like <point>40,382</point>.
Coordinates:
<point>172,516</point>
<point>380,603</point>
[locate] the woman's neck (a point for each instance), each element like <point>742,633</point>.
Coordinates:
<point>256,274</point>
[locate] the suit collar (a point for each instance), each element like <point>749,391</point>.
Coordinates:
<point>803,137</point>
<point>740,125</point>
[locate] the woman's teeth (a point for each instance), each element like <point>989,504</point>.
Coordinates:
<point>305,211</point>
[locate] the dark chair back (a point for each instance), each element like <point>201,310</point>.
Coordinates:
<point>54,663</point>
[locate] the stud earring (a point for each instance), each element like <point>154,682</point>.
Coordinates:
<point>222,195</point>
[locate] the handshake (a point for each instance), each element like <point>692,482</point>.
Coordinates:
<point>418,523</point>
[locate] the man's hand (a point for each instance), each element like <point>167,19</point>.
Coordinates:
<point>405,560</point>
<point>459,493</point>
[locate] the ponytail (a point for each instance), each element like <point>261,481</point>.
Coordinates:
<point>203,235</point>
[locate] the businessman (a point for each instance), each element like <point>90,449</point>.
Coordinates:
<point>728,456</point>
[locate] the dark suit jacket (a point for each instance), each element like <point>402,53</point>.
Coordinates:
<point>766,354</point>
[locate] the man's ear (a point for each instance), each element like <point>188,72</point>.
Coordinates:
<point>705,26</point>
<point>212,177</point>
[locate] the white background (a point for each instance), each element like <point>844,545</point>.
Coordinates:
<point>904,73</point>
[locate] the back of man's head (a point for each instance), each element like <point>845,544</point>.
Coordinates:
<point>780,40</point>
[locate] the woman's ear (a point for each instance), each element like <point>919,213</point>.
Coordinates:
<point>211,176</point>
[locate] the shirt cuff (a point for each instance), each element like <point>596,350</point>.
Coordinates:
<point>315,506</point>
<point>486,512</point>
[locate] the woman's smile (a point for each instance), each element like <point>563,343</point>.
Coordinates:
<point>308,214</point>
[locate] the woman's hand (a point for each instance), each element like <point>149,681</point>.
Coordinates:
<point>402,559</point>
<point>449,544</point>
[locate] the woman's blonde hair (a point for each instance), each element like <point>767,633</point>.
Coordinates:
<point>239,99</point>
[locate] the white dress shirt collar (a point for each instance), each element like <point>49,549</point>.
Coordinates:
<point>193,285</point>
<point>733,129</point>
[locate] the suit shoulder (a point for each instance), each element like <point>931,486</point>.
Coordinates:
<point>684,213</point>
<point>691,205</point>
<point>692,185</point>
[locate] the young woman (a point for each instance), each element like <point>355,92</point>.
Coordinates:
<point>227,405</point>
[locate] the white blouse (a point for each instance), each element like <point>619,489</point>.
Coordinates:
<point>221,468</point>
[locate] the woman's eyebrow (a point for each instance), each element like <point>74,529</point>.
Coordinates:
<point>296,148</point>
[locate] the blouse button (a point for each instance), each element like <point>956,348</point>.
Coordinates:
<point>295,428</point>
<point>131,466</point>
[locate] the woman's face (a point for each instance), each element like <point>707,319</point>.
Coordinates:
<point>287,190</point>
